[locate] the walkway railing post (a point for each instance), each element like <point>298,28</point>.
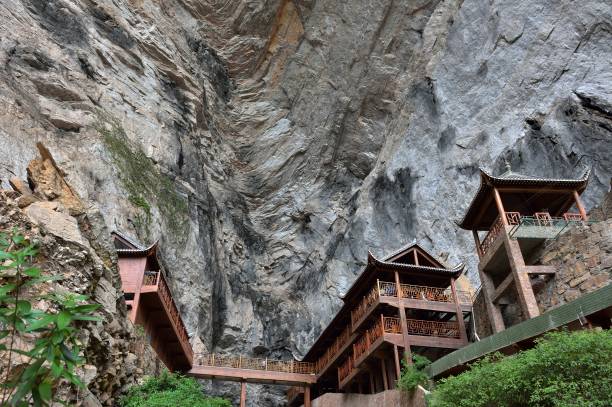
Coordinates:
<point>240,361</point>
<point>266,364</point>
<point>212,358</point>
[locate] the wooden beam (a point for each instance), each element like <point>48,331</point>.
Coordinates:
<point>459,312</point>
<point>402,314</point>
<point>398,369</point>
<point>529,305</point>
<point>535,270</point>
<point>416,257</point>
<point>499,291</point>
<point>477,242</point>
<point>383,367</point>
<point>580,206</point>
<point>307,396</point>
<point>243,394</point>
<point>495,316</point>
<point>500,207</point>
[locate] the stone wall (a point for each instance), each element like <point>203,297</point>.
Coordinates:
<point>583,261</point>
<point>389,398</point>
<point>73,243</point>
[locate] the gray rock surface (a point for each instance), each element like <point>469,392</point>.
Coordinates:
<point>269,144</point>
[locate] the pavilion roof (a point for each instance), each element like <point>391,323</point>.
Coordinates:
<point>132,246</point>
<point>509,178</point>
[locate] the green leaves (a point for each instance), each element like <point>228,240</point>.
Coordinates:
<point>563,370</point>
<point>55,354</point>
<point>170,390</point>
<point>413,375</point>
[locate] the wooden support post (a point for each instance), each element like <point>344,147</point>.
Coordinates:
<point>416,257</point>
<point>500,207</point>
<point>383,367</point>
<point>580,207</point>
<point>402,314</point>
<point>243,394</point>
<point>529,305</point>
<point>307,396</point>
<point>460,321</point>
<point>477,241</point>
<point>398,369</point>
<point>372,383</point>
<point>495,316</point>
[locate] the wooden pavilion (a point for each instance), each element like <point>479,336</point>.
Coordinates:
<point>150,303</point>
<point>406,302</point>
<point>510,217</point>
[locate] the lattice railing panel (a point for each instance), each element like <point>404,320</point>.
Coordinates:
<point>367,339</point>
<point>392,325</point>
<point>364,305</point>
<point>448,329</point>
<point>173,313</point>
<point>490,238</point>
<point>572,217</point>
<point>150,278</point>
<point>387,289</point>
<point>418,292</point>
<point>339,342</point>
<point>345,369</point>
<point>242,362</point>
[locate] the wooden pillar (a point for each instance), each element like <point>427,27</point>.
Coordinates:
<point>580,207</point>
<point>416,257</point>
<point>398,369</point>
<point>383,367</point>
<point>477,242</point>
<point>243,394</point>
<point>402,314</point>
<point>500,207</point>
<point>372,384</point>
<point>306,396</point>
<point>529,305</point>
<point>495,316</point>
<point>460,321</point>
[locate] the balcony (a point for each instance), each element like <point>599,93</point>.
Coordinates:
<point>169,336</point>
<point>412,296</point>
<point>541,225</point>
<point>340,343</point>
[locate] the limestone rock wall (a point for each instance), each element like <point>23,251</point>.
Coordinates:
<point>74,244</point>
<point>270,143</point>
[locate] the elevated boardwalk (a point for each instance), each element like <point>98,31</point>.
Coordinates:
<point>243,369</point>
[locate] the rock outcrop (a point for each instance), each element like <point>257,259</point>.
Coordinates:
<point>270,144</point>
<point>74,244</point>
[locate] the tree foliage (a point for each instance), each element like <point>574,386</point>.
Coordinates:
<point>38,328</point>
<point>413,375</point>
<point>170,390</point>
<point>562,370</point>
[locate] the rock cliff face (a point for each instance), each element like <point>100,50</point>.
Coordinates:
<point>270,143</point>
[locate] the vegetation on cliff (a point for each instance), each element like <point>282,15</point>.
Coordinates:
<point>563,369</point>
<point>39,328</point>
<point>170,390</point>
<point>413,375</point>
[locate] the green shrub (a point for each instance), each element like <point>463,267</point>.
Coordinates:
<point>413,375</point>
<point>39,328</point>
<point>170,390</point>
<point>563,369</point>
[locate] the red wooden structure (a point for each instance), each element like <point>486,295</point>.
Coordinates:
<point>150,302</point>
<point>510,217</point>
<point>404,302</point>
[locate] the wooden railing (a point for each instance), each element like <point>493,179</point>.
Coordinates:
<point>242,362</point>
<point>368,338</point>
<point>364,305</point>
<point>333,349</point>
<point>392,325</point>
<point>150,278</point>
<point>173,313</point>
<point>448,329</point>
<point>345,369</point>
<point>421,292</point>
<point>492,235</point>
